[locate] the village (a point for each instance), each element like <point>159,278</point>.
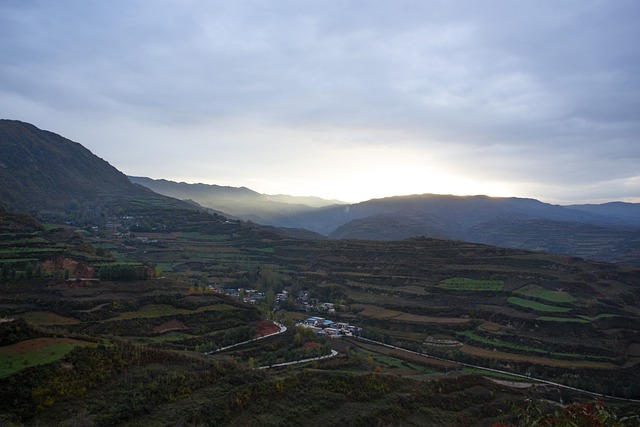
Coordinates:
<point>302,302</point>
<point>327,327</point>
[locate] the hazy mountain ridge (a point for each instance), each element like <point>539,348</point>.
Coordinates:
<point>58,180</point>
<point>239,202</point>
<point>506,222</point>
<point>42,171</point>
<point>616,212</point>
<point>608,232</point>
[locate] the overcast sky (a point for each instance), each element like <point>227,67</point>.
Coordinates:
<point>340,99</point>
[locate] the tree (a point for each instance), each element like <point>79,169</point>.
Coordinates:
<point>270,298</point>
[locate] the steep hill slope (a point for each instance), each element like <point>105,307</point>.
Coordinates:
<point>41,171</point>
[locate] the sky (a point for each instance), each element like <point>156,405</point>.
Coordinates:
<point>347,100</point>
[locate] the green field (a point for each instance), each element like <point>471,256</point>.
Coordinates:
<point>465,284</point>
<point>162,310</point>
<point>492,342</point>
<point>561,319</point>
<point>38,351</point>
<point>539,292</point>
<point>402,364</point>
<point>533,305</point>
<point>598,317</point>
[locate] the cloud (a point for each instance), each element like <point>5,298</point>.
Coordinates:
<point>535,97</point>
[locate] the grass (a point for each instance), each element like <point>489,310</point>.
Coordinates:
<point>561,319</point>
<point>537,306</point>
<point>45,318</point>
<point>465,284</point>
<point>598,317</point>
<point>22,241</point>
<point>161,310</point>
<point>159,339</point>
<point>34,352</point>
<point>524,348</point>
<point>17,260</point>
<point>539,292</point>
<point>194,235</point>
<point>29,250</point>
<point>402,364</point>
<point>492,374</point>
<point>377,312</point>
<point>538,360</point>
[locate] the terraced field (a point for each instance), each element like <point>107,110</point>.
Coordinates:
<point>558,318</point>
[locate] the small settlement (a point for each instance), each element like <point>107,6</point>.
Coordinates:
<point>327,327</point>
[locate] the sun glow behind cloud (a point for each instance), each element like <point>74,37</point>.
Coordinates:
<point>306,98</point>
<point>342,164</point>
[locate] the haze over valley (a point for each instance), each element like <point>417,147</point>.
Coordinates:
<point>303,213</point>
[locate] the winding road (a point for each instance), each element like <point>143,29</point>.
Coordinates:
<point>529,378</point>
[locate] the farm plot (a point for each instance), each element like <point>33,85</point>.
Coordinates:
<point>465,284</point>
<point>537,306</point>
<point>34,352</point>
<point>376,312</point>
<point>539,292</point>
<point>46,318</point>
<point>162,310</point>
<point>511,357</point>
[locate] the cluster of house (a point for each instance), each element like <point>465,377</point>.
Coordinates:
<point>247,295</point>
<point>323,326</point>
<point>302,302</point>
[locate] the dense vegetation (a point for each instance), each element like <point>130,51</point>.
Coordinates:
<point>140,343</point>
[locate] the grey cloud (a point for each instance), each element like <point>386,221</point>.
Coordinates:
<point>536,91</point>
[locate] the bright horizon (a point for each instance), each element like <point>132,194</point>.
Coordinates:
<point>533,100</point>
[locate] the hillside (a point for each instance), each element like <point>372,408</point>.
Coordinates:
<point>139,309</point>
<point>44,173</point>
<point>507,222</point>
<point>608,232</point>
<point>240,202</point>
<point>144,345</point>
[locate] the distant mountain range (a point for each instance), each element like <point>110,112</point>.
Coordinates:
<point>238,202</point>
<point>45,174</point>
<point>608,232</point>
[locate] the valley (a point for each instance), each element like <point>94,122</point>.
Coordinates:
<point>134,308</point>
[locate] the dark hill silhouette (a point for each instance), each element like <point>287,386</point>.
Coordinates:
<point>57,180</point>
<point>506,222</point>
<point>41,171</point>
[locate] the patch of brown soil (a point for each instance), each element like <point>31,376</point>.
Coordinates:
<point>512,357</point>
<point>171,325</point>
<point>36,344</point>
<point>265,328</point>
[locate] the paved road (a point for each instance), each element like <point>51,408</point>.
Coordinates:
<point>281,330</point>
<point>295,362</point>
